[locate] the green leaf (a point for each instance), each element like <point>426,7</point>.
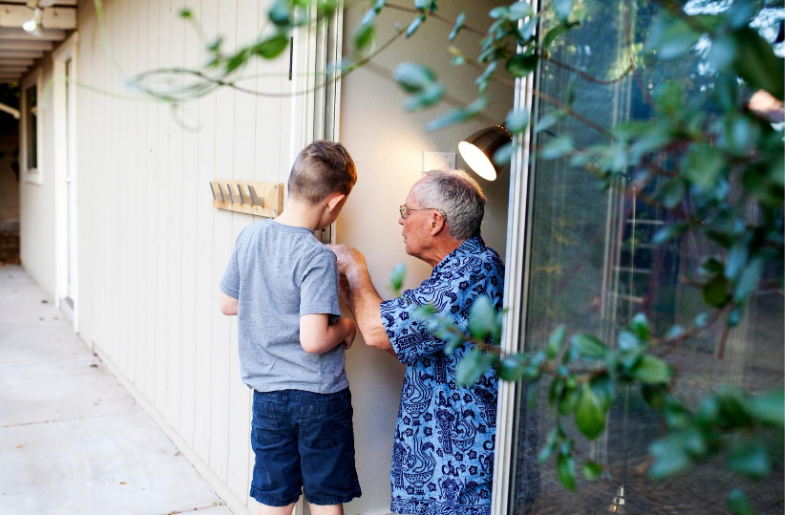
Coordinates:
<point>511,368</point>
<point>670,456</point>
<point>715,292</point>
<point>554,33</point>
<point>563,9</point>
<point>589,415</point>
<point>521,65</point>
<point>671,37</point>
<point>653,395</point>
<point>428,97</point>
<point>556,341</point>
<point>557,147</point>
<point>498,12</point>
<point>482,318</point>
<point>738,503</point>
<point>413,77</point>
<point>670,232</point>
<point>672,193</point>
<point>397,276</point>
<point>737,259</point>
<point>473,366</point>
<point>591,470</point>
<point>520,10</point>
<point>640,326</point>
<point>364,36</point>
<point>517,121</point>
<point>749,279</point>
<point>414,25</point>
<point>605,390</point>
<point>565,469</point>
<point>749,458</point>
<point>526,33</point>
<point>769,408</point>
<point>186,14</point>
<point>503,155</point>
<point>453,117</point>
<point>459,21</point>
<point>652,370</point>
<point>548,121</point>
<point>703,165</point>
<point>756,62</point>
<point>588,346</point>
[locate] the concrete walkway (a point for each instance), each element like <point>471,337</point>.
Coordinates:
<point>72,439</point>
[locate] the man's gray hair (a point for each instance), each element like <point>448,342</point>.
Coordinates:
<point>458,196</point>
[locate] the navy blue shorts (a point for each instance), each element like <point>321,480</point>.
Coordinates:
<point>303,441</point>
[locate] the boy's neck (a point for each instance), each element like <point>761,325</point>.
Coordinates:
<point>301,214</point>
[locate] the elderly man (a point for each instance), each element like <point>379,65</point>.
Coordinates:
<point>442,459</point>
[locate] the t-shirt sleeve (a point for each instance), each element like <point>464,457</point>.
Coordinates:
<point>319,286</point>
<point>230,283</point>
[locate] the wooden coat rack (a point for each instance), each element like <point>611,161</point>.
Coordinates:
<point>252,197</point>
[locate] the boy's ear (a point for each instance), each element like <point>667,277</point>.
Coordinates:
<point>334,201</point>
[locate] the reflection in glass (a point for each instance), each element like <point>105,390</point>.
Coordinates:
<point>592,266</point>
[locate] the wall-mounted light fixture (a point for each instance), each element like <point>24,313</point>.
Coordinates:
<point>33,25</point>
<point>478,150</point>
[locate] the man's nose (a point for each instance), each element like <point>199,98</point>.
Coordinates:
<point>400,220</point>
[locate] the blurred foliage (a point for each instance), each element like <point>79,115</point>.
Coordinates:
<point>706,158</point>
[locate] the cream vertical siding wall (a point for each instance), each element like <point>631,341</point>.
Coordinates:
<point>37,201</point>
<point>152,247</point>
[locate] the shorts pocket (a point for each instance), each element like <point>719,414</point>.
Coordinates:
<point>265,429</point>
<point>328,426</point>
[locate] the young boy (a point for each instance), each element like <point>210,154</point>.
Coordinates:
<point>283,285</point>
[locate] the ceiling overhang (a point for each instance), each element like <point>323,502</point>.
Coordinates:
<point>20,49</point>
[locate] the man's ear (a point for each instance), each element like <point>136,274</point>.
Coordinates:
<point>334,201</point>
<point>437,223</point>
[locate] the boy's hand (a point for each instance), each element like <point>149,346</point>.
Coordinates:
<point>352,332</point>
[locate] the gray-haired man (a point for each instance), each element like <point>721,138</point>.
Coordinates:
<point>444,439</point>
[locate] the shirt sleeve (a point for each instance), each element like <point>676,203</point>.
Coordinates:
<point>319,286</point>
<point>408,334</point>
<point>451,294</point>
<point>230,284</point>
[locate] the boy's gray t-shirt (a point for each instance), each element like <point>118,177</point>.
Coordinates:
<point>278,273</point>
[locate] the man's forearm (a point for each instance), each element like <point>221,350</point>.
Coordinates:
<point>365,305</point>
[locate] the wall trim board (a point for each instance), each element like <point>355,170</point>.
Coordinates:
<point>218,485</point>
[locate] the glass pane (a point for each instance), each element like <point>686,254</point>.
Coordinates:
<point>32,128</point>
<point>592,266</point>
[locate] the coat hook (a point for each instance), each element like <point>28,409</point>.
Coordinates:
<point>255,200</point>
<point>240,191</point>
<point>212,190</point>
<point>229,189</point>
<point>220,191</point>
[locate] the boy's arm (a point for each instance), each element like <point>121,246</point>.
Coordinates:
<point>227,304</point>
<point>317,336</point>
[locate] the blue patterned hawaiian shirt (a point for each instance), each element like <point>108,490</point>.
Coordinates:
<point>442,459</point>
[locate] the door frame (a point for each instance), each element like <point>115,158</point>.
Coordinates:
<point>515,288</point>
<point>64,120</point>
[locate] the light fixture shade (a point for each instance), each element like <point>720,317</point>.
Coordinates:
<point>478,150</point>
<point>33,25</point>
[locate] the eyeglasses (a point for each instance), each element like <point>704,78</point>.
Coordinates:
<point>405,211</point>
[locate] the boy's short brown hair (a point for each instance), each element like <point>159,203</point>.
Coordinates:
<point>321,169</point>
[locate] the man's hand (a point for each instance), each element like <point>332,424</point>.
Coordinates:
<point>349,259</point>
